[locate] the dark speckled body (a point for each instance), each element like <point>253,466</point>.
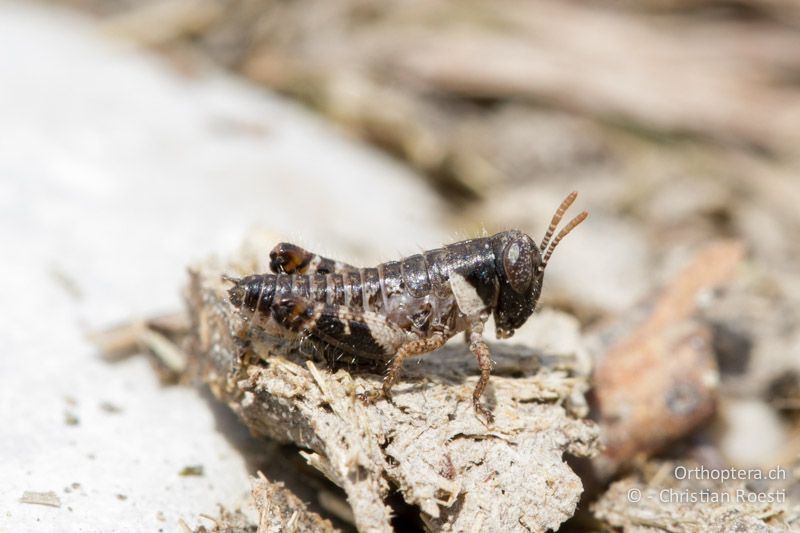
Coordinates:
<point>415,293</point>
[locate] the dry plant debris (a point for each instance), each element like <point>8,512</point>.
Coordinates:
<point>657,501</point>
<point>428,445</point>
<point>280,510</point>
<point>462,90</point>
<point>158,335</point>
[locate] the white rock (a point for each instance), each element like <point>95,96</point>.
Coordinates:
<point>753,433</point>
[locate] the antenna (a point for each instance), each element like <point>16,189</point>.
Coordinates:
<point>547,247</point>
<point>557,218</point>
<point>561,234</point>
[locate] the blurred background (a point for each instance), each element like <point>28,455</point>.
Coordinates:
<point>139,137</point>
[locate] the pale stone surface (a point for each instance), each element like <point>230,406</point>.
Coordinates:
<point>751,431</point>
<point>116,174</point>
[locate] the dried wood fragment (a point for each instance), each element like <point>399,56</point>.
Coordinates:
<point>656,377</point>
<point>49,498</point>
<point>428,445</point>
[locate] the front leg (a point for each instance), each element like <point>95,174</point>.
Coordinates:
<point>481,351</point>
<point>474,308</point>
<point>287,258</point>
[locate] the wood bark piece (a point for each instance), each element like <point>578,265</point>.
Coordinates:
<point>429,444</point>
<point>656,379</point>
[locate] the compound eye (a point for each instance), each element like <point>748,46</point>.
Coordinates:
<point>518,264</point>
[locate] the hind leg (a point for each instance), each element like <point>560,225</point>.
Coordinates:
<point>361,334</point>
<point>409,349</point>
<point>287,258</point>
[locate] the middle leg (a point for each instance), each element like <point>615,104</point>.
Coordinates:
<point>480,349</point>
